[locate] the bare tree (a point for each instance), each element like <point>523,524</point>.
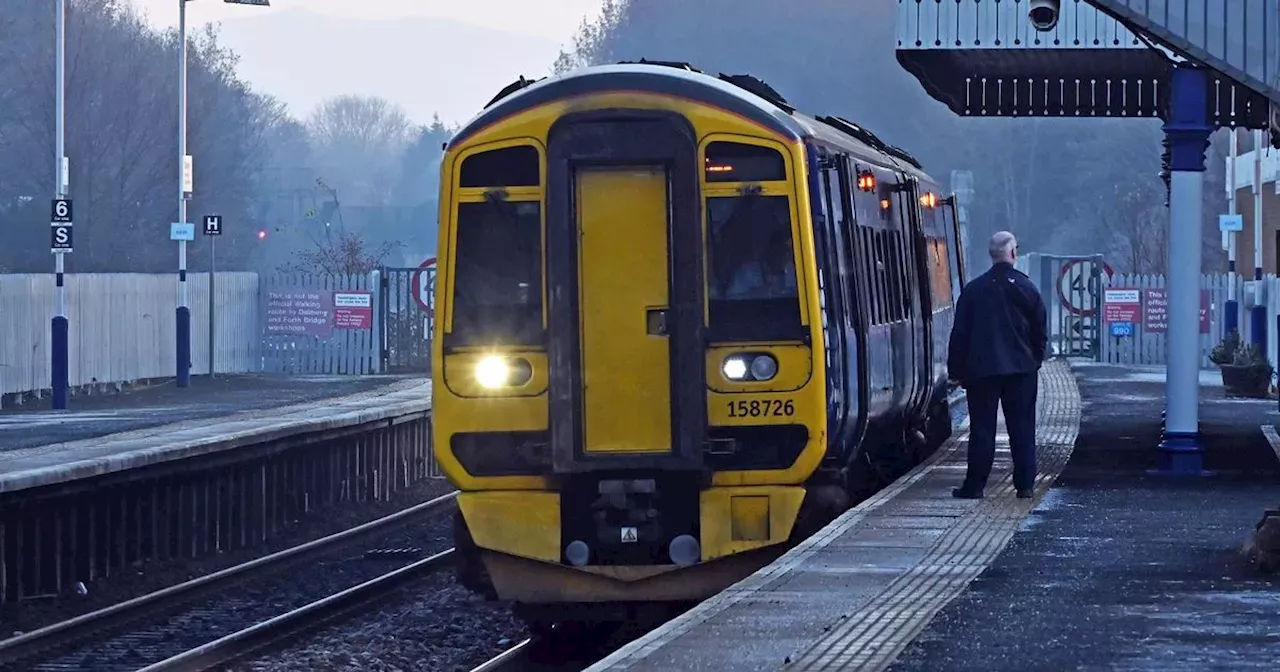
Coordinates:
<point>121,137</point>
<point>1140,224</point>
<point>358,142</point>
<point>345,255</point>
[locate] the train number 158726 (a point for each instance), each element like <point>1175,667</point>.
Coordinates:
<point>761,408</point>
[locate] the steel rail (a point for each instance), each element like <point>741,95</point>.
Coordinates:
<point>239,644</point>
<point>74,629</point>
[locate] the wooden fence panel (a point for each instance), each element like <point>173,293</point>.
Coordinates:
<point>122,327</point>
<point>315,348</point>
<point>1148,347</point>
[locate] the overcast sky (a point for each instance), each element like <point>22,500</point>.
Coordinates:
<point>377,59</point>
<point>552,19</point>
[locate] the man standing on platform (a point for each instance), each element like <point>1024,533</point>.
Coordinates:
<point>998,342</point>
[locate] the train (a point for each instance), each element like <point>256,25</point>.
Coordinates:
<point>680,325</point>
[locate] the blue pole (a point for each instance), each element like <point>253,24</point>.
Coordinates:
<point>1188,131</point>
<point>1258,324</point>
<point>1232,309</point>
<point>1258,313</point>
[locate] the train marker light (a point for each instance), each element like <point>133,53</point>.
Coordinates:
<point>867,181</point>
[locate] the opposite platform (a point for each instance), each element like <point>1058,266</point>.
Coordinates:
<point>62,462</point>
<point>855,594</point>
<point>94,415</point>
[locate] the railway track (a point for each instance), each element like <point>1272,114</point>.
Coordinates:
<point>248,640</point>
<point>510,660</point>
<point>92,641</point>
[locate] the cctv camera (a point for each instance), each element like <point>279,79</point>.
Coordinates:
<point>1044,14</point>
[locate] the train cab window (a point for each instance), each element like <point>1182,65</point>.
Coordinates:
<point>752,288</point>
<point>507,167</point>
<point>737,162</point>
<point>497,286</point>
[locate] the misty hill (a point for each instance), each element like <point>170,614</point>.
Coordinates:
<point>425,65</point>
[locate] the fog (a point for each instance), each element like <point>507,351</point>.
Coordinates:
<point>320,148</point>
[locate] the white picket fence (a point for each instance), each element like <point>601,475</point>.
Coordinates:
<point>1151,347</point>
<point>123,327</point>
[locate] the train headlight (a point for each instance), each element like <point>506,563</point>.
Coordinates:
<point>735,368</point>
<point>495,371</point>
<point>752,367</point>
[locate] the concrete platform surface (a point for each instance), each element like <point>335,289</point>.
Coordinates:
<point>208,426</point>
<point>855,594</point>
<point>92,416</point>
<point>1119,570</point>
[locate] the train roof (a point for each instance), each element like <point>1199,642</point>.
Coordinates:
<point>745,95</point>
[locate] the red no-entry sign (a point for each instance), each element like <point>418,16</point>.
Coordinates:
<point>423,285</point>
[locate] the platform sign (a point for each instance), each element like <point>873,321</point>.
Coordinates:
<point>1231,223</point>
<point>1155,311</point>
<point>60,212</point>
<point>180,231</point>
<point>60,238</point>
<point>298,312</point>
<point>353,310</point>
<point>1122,330</point>
<point>1121,305</point>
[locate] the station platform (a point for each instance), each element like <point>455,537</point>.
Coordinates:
<point>94,415</point>
<point>119,432</point>
<point>1108,567</point>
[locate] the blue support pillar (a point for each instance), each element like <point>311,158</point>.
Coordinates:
<point>1258,325</point>
<point>1232,309</point>
<point>1188,132</point>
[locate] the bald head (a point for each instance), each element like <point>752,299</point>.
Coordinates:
<point>1002,247</point>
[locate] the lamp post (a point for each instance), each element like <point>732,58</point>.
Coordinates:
<point>59,365</point>
<point>186,184</point>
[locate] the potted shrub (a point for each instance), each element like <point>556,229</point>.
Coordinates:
<point>1245,370</point>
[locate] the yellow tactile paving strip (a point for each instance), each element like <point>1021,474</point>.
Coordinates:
<point>913,531</point>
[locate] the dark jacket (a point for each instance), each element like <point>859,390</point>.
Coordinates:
<point>1001,327</point>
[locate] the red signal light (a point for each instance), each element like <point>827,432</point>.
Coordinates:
<point>262,234</point>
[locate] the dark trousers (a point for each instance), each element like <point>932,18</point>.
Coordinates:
<point>1017,394</point>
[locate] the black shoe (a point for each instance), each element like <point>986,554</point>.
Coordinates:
<point>1028,493</point>
<point>961,493</point>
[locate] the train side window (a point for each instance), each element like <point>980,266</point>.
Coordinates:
<point>866,259</point>
<point>941,273</point>
<point>739,162</point>
<point>904,271</point>
<point>497,285</point>
<point>892,273</point>
<point>507,167</point>
<point>954,251</point>
<point>752,291</point>
<point>881,273</point>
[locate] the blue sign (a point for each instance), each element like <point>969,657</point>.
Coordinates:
<point>180,231</point>
<point>1121,329</point>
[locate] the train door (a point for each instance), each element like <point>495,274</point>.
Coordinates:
<point>622,223</point>
<point>625,295</point>
<point>955,243</point>
<point>916,346</point>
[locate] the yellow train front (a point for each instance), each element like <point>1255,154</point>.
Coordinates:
<point>629,347</point>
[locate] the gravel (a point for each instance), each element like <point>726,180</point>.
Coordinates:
<point>434,625</point>
<point>257,599</point>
